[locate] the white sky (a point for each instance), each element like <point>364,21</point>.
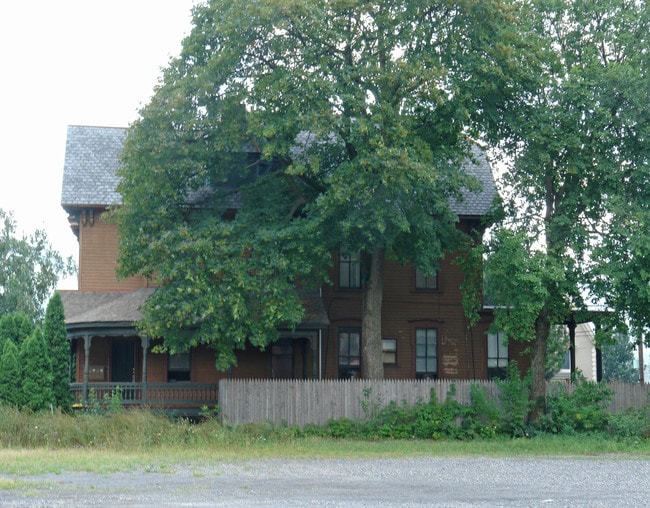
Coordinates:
<point>72,62</point>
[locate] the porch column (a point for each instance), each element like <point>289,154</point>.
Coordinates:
<point>599,353</point>
<point>87,340</point>
<point>572,346</point>
<point>144,340</point>
<point>72,347</point>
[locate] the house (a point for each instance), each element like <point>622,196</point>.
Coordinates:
<point>426,334</point>
<point>581,353</point>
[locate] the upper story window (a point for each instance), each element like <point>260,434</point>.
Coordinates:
<point>349,270</point>
<point>497,355</point>
<point>425,282</point>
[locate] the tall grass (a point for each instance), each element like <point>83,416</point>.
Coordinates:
<point>32,443</point>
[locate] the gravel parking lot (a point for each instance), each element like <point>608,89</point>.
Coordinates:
<point>387,482</point>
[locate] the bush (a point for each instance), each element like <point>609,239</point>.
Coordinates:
<point>584,410</point>
<point>37,391</point>
<point>632,424</point>
<point>514,394</point>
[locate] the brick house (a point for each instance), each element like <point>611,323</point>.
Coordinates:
<point>425,332</point>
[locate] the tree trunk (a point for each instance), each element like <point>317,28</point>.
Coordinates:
<point>372,366</point>
<point>538,351</point>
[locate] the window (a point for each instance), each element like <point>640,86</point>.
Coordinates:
<point>178,367</point>
<point>349,352</point>
<point>566,363</point>
<point>497,355</point>
<point>349,270</point>
<point>426,353</point>
<point>389,351</point>
<point>426,282</point>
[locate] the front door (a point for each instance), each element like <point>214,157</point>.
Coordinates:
<point>282,359</point>
<point>123,362</point>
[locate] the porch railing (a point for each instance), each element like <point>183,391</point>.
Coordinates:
<point>156,395</point>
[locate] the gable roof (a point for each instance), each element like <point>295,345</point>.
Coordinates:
<point>92,158</point>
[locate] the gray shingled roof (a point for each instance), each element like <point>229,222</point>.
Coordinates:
<point>103,307</point>
<point>480,202</point>
<point>94,308</point>
<point>92,160</point>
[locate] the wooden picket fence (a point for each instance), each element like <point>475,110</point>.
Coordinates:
<point>300,402</point>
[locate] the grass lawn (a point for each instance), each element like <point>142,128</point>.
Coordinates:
<point>36,443</point>
<point>26,461</point>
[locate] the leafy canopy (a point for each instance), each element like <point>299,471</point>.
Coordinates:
<point>324,124</point>
<point>580,158</point>
<point>29,270</point>
<point>578,181</point>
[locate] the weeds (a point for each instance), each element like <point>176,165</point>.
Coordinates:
<point>107,426</point>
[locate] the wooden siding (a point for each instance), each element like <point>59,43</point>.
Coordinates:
<point>98,257</point>
<point>461,351</point>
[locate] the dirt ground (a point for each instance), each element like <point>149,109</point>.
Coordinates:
<point>386,483</point>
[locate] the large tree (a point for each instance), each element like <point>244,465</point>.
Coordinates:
<point>359,113</point>
<point>29,270</point>
<point>580,144</point>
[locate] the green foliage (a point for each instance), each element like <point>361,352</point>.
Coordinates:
<point>36,386</point>
<point>141,430</point>
<point>208,413</point>
<point>618,360</point>
<point>29,271</point>
<point>576,186</point>
<point>55,336</point>
<point>113,402</point>
<point>109,405</point>
<point>514,395</point>
<point>518,279</point>
<point>583,410</point>
<point>484,413</point>
<point>633,424</point>
<point>15,327</point>
<point>10,375</point>
<point>353,139</point>
<point>558,347</point>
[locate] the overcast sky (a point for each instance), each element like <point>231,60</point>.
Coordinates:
<point>72,62</point>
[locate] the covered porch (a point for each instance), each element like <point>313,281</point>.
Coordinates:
<point>186,398</point>
<point>108,355</point>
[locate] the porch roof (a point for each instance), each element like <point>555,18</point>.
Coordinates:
<point>92,311</point>
<point>103,307</point>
